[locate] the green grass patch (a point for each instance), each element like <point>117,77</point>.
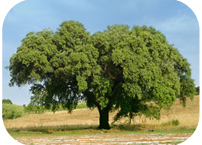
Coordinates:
<point>52,129</point>
<point>141,144</point>
<point>175,142</point>
<point>82,129</point>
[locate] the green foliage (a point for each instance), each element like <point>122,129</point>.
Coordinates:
<point>6,101</point>
<point>197,90</point>
<point>31,108</point>
<point>81,105</point>
<point>135,69</point>
<point>36,103</point>
<point>173,123</point>
<point>12,111</point>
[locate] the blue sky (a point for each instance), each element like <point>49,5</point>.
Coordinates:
<point>174,19</point>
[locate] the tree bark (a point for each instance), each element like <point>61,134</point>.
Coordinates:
<point>104,118</point>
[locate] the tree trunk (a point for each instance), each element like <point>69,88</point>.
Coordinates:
<point>130,116</point>
<point>104,118</point>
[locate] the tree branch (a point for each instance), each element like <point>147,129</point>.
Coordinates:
<point>106,72</point>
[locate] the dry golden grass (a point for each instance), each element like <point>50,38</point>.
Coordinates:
<point>188,117</point>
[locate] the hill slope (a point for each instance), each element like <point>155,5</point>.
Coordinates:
<point>188,117</point>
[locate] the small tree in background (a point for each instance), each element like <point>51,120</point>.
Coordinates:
<point>197,90</point>
<point>135,70</point>
<point>12,111</point>
<point>6,101</point>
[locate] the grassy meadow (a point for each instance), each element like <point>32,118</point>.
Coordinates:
<point>86,120</point>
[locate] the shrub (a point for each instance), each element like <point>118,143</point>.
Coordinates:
<point>197,90</point>
<point>12,111</point>
<point>175,122</point>
<point>81,105</point>
<point>37,109</point>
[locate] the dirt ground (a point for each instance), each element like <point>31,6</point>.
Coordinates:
<point>96,139</point>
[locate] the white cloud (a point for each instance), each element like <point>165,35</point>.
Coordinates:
<point>182,31</point>
<point>78,4</point>
<point>141,5</point>
<point>179,23</point>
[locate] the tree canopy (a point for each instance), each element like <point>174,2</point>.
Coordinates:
<point>134,70</point>
<point>6,101</point>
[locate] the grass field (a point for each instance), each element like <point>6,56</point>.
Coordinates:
<point>84,118</point>
<point>81,127</point>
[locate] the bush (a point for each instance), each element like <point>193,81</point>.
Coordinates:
<point>12,111</point>
<point>173,123</point>
<point>81,105</point>
<point>37,109</point>
<point>197,90</point>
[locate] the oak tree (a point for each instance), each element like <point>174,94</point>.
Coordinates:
<point>133,70</point>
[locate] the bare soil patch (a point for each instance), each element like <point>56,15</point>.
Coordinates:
<point>129,138</point>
